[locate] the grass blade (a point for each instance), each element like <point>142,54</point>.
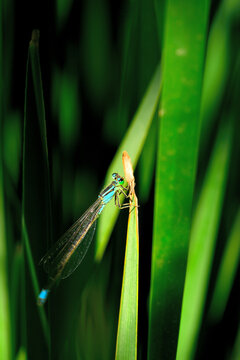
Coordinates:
<point>133,142</point>
<point>5,328</point>
<point>176,165</point>
<point>202,244</point>
<point>217,67</point>
<point>36,207</point>
<point>227,273</point>
<point>126,347</point>
<point>235,355</point>
<point>148,160</point>
<point>5,325</point>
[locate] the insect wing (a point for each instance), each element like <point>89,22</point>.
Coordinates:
<point>78,255</point>
<point>53,260</point>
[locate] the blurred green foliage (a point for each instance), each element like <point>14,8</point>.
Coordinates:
<point>63,125</point>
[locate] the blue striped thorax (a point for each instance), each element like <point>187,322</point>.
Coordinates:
<point>107,194</point>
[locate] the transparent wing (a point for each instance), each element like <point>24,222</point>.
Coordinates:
<point>67,253</point>
<point>79,253</point>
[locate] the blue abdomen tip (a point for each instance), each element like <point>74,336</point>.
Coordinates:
<point>42,297</point>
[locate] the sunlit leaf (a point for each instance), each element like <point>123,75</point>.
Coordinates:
<point>133,142</point>
<point>202,244</point>
<point>126,347</point>
<point>183,60</point>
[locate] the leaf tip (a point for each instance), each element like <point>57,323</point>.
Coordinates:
<point>35,38</point>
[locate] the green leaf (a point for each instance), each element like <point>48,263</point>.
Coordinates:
<point>5,346</point>
<point>235,353</point>
<point>21,355</point>
<point>36,205</point>
<point>217,67</point>
<point>148,160</point>
<point>63,8</point>
<point>5,325</point>
<point>126,347</point>
<point>183,58</point>
<point>227,272</point>
<point>202,243</point>
<point>133,143</point>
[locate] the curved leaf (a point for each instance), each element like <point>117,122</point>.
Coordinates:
<point>133,142</point>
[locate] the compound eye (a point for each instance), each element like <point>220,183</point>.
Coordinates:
<point>118,178</point>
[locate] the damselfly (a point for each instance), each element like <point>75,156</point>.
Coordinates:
<point>67,253</point>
